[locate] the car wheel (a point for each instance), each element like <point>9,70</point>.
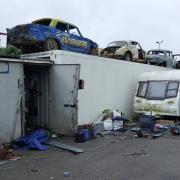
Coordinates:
<point>94,52</point>
<point>50,45</point>
<point>128,56</point>
<point>164,64</point>
<point>103,53</point>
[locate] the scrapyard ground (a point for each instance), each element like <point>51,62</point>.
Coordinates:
<point>107,158</point>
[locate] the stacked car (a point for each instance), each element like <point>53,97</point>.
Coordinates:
<point>49,34</point>
<point>52,34</point>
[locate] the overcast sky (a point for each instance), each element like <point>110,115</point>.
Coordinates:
<point>103,21</point>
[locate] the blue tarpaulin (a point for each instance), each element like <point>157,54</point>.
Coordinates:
<point>35,140</point>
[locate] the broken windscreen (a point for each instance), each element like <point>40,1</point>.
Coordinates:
<point>158,89</point>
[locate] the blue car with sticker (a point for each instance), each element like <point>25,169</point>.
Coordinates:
<point>49,34</point>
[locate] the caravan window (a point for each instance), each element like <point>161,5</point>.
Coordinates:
<point>142,89</point>
<point>156,90</point>
<point>172,89</point>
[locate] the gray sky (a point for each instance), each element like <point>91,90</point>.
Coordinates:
<point>104,20</point>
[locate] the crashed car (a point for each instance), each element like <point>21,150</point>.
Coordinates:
<point>49,34</point>
<point>125,50</point>
<point>161,57</point>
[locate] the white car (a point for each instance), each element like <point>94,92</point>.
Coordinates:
<point>126,50</point>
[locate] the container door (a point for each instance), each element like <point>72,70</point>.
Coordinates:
<point>65,80</point>
<point>11,86</point>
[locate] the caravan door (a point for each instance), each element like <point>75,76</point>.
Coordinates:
<point>65,82</point>
<point>11,90</point>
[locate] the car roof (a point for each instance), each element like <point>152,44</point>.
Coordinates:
<point>124,41</point>
<point>165,50</point>
<point>58,20</point>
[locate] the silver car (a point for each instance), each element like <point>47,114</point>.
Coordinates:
<point>160,57</point>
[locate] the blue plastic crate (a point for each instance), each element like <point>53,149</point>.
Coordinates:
<point>147,122</point>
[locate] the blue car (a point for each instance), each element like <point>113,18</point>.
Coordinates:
<point>49,34</point>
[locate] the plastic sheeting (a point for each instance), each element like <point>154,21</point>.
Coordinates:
<point>35,140</point>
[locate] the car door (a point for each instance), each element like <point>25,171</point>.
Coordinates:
<point>78,42</point>
<point>169,59</point>
<point>141,53</point>
<point>134,49</point>
<point>63,35</point>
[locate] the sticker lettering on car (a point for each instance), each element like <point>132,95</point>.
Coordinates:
<point>74,42</point>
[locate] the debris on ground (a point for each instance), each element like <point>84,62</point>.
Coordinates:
<point>111,119</point>
<point>7,156</point>
<point>150,127</point>
<point>111,122</point>
<point>135,154</point>
<point>175,129</point>
<point>34,170</point>
<point>66,174</point>
<point>85,133</point>
<point>51,178</point>
<point>59,145</point>
<point>35,140</point>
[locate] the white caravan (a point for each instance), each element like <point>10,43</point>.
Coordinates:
<point>158,93</point>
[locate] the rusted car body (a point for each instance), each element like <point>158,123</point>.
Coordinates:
<point>161,57</point>
<point>125,50</point>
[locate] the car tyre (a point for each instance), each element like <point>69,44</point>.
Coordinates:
<point>128,56</point>
<point>51,44</point>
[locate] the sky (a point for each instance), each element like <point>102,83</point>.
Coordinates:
<point>103,21</point>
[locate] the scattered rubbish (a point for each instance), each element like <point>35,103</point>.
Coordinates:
<point>161,133</point>
<point>6,162</point>
<point>111,122</point>
<point>111,119</point>
<point>164,122</point>
<point>51,133</point>
<point>7,154</point>
<point>175,130</point>
<point>153,133</point>
<point>64,146</point>
<point>106,133</point>
<point>66,174</point>
<point>99,127</point>
<point>34,170</point>
<point>85,133</point>
<point>135,154</point>
<point>35,140</point>
<point>51,178</point>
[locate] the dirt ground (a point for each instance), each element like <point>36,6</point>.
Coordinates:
<point>108,158</point>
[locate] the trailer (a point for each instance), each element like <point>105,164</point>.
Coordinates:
<point>60,90</point>
<point>158,94</point>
